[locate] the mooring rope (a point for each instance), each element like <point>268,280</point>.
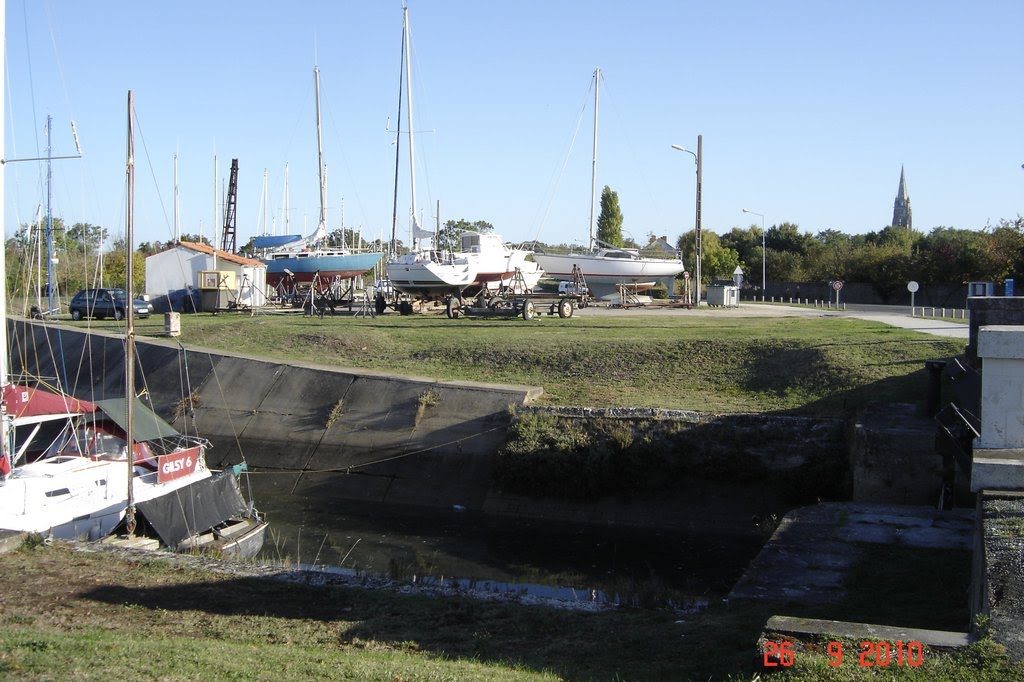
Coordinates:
<point>349,469</point>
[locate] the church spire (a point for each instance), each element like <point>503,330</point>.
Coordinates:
<point>901,215</point>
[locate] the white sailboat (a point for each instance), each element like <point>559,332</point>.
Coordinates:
<point>606,267</point>
<point>483,260</point>
<point>496,262</point>
<point>77,469</point>
<point>423,273</point>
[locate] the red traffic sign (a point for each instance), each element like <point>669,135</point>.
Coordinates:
<point>837,285</point>
<point>686,275</point>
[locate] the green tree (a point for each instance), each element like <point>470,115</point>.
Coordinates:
<point>952,256</point>
<point>449,234</point>
<point>1003,255</point>
<point>85,237</point>
<point>195,239</point>
<point>717,260</point>
<point>150,248</point>
<point>887,267</point>
<point>115,267</point>
<point>746,242</point>
<point>609,223</point>
<point>828,256</point>
<point>787,237</point>
<point>346,238</point>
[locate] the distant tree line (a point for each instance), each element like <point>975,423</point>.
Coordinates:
<point>886,260</point>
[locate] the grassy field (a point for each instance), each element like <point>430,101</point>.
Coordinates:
<point>68,614</point>
<point>800,365</point>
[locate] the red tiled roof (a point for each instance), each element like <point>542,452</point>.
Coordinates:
<point>223,255</point>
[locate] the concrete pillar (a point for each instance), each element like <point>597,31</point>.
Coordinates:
<point>999,450</point>
<point>1001,348</point>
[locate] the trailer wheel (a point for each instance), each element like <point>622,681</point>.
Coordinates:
<point>379,304</point>
<point>565,308</point>
<point>528,310</point>
<point>405,307</point>
<point>453,307</point>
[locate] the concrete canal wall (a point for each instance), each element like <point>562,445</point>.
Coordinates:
<point>356,435</point>
<point>344,433</point>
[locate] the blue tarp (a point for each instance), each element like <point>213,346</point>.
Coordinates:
<point>275,241</point>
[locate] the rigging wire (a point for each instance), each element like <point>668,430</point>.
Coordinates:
<point>559,172</point>
<point>348,167</point>
<point>645,183</point>
<point>352,468</point>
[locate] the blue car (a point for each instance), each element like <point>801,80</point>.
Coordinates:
<point>101,303</point>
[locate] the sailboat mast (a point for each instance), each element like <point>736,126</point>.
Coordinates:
<point>5,427</point>
<point>261,223</point>
<point>51,269</point>
<point>287,203</point>
<point>408,116</point>
<point>322,225</point>
<point>216,199</point>
<point>129,360</point>
<point>398,141</point>
<point>177,222</point>
<point>593,163</point>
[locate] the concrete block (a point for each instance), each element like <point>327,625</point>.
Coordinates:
<point>935,639</point>
<point>997,469</point>
<point>1001,341</point>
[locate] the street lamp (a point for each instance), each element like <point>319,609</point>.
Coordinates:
<point>697,246</point>
<point>764,252</point>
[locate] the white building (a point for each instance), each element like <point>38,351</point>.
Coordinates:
<point>173,279</point>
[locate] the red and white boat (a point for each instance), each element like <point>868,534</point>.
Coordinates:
<point>69,468</point>
<point>76,469</point>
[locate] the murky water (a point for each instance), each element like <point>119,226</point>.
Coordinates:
<point>456,546</point>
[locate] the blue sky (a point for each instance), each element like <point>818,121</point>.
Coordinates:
<point>808,110</point>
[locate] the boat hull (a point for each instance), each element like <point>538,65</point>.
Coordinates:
<point>305,265</point>
<point>431,279</point>
<point>240,538</point>
<point>484,262</point>
<point>78,498</point>
<point>598,269</point>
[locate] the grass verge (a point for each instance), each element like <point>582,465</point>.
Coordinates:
<point>817,366</point>
<point>89,615</point>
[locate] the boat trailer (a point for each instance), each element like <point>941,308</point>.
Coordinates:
<point>516,300</point>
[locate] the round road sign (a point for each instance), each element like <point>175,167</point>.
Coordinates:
<point>912,286</point>
<point>837,285</point>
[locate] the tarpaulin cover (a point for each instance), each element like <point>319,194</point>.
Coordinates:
<point>275,241</point>
<point>196,508</point>
<point>24,401</point>
<point>148,425</point>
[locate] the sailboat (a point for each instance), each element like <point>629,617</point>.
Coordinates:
<point>483,261</point>
<point>78,469</point>
<point>606,267</point>
<point>302,259</point>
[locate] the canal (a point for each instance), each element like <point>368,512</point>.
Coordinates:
<point>454,546</point>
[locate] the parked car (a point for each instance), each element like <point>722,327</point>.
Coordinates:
<point>101,303</point>
<point>571,289</point>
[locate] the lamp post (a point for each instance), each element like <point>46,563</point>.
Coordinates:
<point>764,252</point>
<point>697,246</point>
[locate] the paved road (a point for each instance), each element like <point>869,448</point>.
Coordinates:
<point>957,330</point>
<point>897,316</point>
